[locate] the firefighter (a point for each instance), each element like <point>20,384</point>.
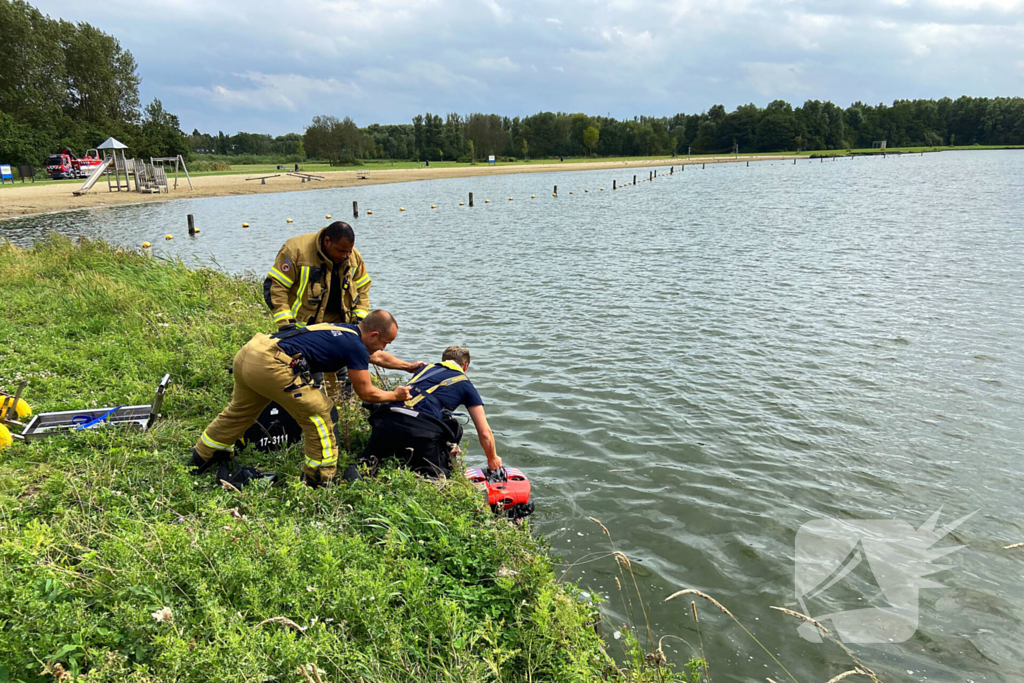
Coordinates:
<point>283,367</point>
<point>319,277</point>
<point>420,432</point>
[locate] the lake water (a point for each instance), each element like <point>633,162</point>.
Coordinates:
<point>709,361</point>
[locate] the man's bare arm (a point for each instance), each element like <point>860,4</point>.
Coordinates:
<point>483,431</point>
<point>366,391</point>
<point>389,362</point>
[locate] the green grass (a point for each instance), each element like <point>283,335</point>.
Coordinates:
<point>394,579</point>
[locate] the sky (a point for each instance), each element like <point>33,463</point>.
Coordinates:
<point>269,67</point>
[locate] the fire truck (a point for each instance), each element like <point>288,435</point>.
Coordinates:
<point>67,165</point>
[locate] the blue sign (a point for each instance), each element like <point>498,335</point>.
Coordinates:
<point>5,173</point>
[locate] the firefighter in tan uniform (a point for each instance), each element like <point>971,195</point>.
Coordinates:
<point>281,368</point>
<point>318,278</point>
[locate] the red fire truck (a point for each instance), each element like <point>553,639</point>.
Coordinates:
<point>67,165</point>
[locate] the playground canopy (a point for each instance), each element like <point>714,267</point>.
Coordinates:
<point>111,143</point>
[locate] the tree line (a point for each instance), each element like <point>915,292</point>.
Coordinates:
<point>64,84</point>
<point>779,127</point>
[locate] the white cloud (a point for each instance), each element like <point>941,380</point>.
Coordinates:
<point>499,64</point>
<point>262,67</point>
<point>500,13</point>
<point>774,80</point>
<point>270,91</point>
<point>972,5</point>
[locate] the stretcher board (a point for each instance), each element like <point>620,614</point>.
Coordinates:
<point>140,417</point>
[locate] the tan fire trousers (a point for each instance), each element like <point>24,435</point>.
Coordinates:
<point>261,372</point>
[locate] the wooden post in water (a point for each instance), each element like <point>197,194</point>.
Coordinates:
<point>613,185</point>
<point>555,193</point>
<point>650,175</point>
<point>748,164</point>
<point>471,199</point>
<point>634,180</point>
<point>702,167</point>
<point>191,224</point>
<point>355,209</point>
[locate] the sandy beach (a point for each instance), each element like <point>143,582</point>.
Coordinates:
<point>44,197</point>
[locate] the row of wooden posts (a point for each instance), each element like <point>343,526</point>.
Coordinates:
<point>651,176</point>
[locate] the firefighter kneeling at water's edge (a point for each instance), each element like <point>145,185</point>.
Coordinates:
<point>285,368</point>
<point>421,433</point>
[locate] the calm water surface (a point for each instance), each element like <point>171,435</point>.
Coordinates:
<point>707,362</point>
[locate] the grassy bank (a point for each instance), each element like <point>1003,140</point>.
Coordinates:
<point>117,565</point>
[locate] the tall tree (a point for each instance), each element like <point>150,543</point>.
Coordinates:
<point>590,138</point>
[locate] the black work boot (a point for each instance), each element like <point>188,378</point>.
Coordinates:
<point>200,466</point>
<point>352,473</point>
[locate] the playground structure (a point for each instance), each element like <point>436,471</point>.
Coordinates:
<point>263,178</point>
<point>306,177</point>
<point>148,178</point>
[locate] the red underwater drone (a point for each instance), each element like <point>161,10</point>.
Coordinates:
<point>507,489</point>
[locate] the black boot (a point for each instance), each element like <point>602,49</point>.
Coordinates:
<point>352,473</point>
<point>200,466</point>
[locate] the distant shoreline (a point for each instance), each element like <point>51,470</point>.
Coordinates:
<point>42,198</point>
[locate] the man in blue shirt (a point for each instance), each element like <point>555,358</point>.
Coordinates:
<point>420,432</point>
<point>280,368</point>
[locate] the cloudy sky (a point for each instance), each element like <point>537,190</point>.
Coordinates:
<point>263,66</point>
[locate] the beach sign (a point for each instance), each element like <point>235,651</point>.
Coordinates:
<point>490,159</point>
<point>5,173</point>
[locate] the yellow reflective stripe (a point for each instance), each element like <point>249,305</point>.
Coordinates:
<point>360,313</point>
<point>447,383</point>
<point>411,403</point>
<point>283,315</point>
<point>420,374</point>
<point>281,277</point>
<point>303,283</point>
<point>328,457</point>
<point>320,327</point>
<point>364,280</point>
<point>215,445</point>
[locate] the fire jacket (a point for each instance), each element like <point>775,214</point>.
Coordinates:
<point>297,288</point>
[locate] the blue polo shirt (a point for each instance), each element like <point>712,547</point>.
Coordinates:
<point>450,397</point>
<point>329,347</point>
